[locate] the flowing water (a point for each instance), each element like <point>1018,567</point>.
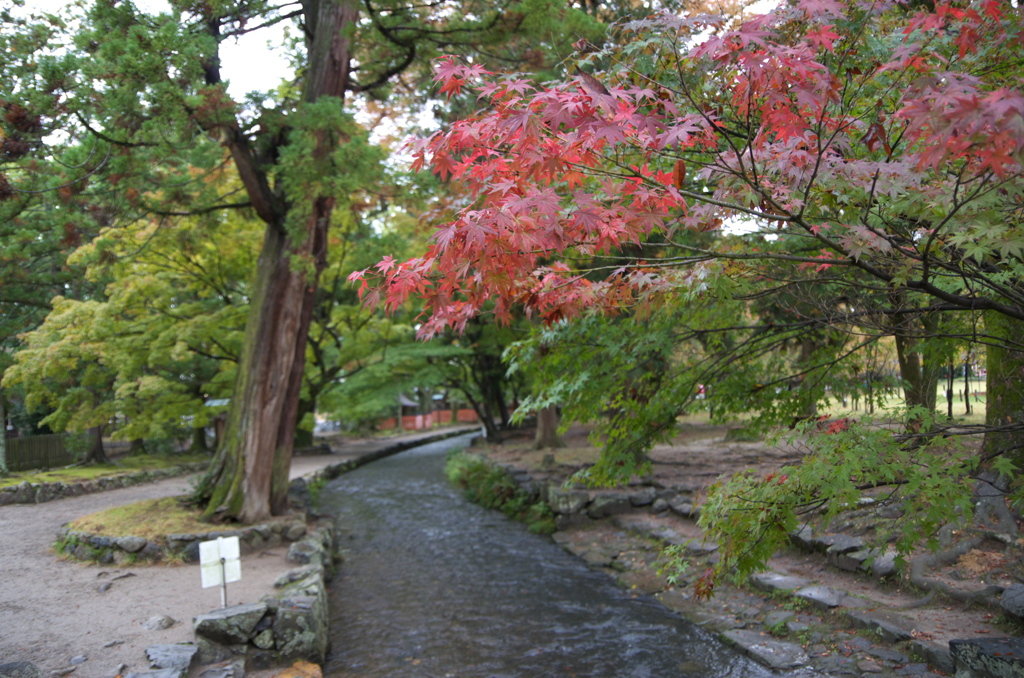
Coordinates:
<point>433,586</point>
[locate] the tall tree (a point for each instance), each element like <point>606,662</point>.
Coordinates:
<point>147,92</point>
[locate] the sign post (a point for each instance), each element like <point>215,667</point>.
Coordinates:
<point>219,563</point>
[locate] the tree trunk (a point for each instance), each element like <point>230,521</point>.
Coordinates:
<point>198,445</point>
<point>920,374</point>
<point>248,480</point>
<point>96,454</point>
<point>547,429</point>
<point>304,437</point>
<point>1005,389</point>
<point>138,447</point>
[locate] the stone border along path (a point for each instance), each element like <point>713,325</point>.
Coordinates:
<point>841,634</point>
<point>40,493</point>
<point>62,618</point>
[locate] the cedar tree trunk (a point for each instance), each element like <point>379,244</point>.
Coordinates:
<point>248,480</point>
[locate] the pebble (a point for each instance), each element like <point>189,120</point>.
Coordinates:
<point>158,623</point>
<point>104,587</point>
<point>112,643</point>
<point>79,659</point>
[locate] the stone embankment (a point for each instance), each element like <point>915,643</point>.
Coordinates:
<point>833,605</point>
<point>39,493</point>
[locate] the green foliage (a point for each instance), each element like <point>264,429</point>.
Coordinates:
<point>750,515</point>
<point>492,487</point>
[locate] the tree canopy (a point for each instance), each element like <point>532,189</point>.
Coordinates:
<point>752,209</point>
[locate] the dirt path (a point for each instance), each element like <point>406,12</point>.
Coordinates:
<point>52,610</point>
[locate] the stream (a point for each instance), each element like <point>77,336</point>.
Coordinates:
<point>435,586</point>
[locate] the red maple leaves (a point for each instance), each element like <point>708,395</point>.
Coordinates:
<point>557,175</point>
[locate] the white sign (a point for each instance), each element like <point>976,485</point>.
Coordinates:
<point>220,561</point>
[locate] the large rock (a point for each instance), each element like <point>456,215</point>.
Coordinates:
<point>232,625</point>
<point>566,502</point>
<point>130,544</point>
<point>609,504</point>
<point>821,597</point>
<point>303,552</point>
<point>773,582</point>
<point>20,670</point>
<point>176,657</point>
<point>988,658</point>
<point>889,626</point>
<point>771,653</point>
<point>1012,601</point>
<point>300,628</point>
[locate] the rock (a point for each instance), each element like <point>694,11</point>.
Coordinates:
<point>889,626</point>
<point>159,673</point>
<point>773,582</point>
<point>778,618</point>
<point>119,670</point>
<point>82,552</point>
<point>803,537</point>
<point>302,552</point>
<point>659,506</point>
<point>822,597</point>
<point>234,668</point>
<point>597,558</point>
<point>988,658</point>
<point>295,532</point>
<point>567,502</point>
<point>1012,601</point>
<point>683,506</point>
<point>296,574</point>
<point>158,623</point>
<point>869,666</point>
<point>104,587</point>
<point>264,640</point>
<point>884,565</point>
<point>230,626</point>
<point>644,497</point>
<point>796,626</point>
<point>20,670</point>
<point>130,544</point>
<point>934,653</point>
<point>152,551</point>
<point>99,541</point>
<point>887,655</point>
<point>300,628</point>
<point>608,504</point>
<point>772,653</point>
<point>191,552</point>
<point>112,643</point>
<point>178,657</point>
<point>700,546</point>
<point>842,543</point>
<point>60,673</point>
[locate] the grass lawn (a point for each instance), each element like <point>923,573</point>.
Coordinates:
<point>152,519</point>
<point>78,474</point>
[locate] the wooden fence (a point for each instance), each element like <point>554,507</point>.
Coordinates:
<point>38,452</point>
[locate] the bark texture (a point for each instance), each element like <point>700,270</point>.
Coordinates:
<point>1005,388</point>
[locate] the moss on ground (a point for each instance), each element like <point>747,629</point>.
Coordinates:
<point>152,519</point>
<point>78,474</point>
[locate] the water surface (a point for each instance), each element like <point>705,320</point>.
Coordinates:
<point>433,585</point>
